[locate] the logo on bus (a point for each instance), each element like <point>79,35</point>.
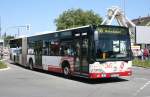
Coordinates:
<point>108,65</point>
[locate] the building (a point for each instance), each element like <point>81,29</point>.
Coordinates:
<point>142,31</point>
<point>142,21</point>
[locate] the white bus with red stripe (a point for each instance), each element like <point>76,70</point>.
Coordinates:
<point>88,51</point>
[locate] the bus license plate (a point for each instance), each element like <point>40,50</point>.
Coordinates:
<point>114,75</point>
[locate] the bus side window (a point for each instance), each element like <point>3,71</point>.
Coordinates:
<point>45,48</point>
<point>69,50</point>
<point>66,49</point>
<point>62,48</point>
<point>31,47</point>
<point>54,48</point>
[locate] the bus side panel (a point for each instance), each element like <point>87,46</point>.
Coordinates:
<point>24,52</point>
<point>20,59</point>
<point>52,63</point>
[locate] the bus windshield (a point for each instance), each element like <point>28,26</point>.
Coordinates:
<point>112,46</point>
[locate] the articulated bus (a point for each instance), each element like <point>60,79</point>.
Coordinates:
<point>89,51</point>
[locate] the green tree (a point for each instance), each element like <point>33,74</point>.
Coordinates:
<point>77,17</point>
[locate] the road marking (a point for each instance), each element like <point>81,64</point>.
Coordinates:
<point>141,88</point>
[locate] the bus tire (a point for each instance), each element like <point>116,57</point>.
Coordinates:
<point>31,64</point>
<point>66,69</point>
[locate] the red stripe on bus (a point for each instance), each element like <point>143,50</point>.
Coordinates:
<point>55,68</point>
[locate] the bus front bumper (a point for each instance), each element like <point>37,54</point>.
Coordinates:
<point>109,75</point>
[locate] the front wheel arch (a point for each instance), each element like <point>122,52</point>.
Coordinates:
<point>65,63</point>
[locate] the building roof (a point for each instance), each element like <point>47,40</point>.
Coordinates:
<point>142,21</point>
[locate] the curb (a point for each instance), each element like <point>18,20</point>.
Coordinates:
<point>5,69</point>
<point>141,67</point>
<point>2,59</point>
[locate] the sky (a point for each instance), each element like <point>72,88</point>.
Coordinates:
<point>40,14</point>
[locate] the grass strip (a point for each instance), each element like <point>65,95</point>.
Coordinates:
<point>141,63</point>
<point>2,65</point>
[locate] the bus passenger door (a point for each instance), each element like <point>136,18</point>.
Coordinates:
<point>84,55</point>
<point>38,54</point>
<point>81,55</point>
<point>77,57</point>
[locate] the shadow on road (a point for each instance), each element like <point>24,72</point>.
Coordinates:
<point>99,81</point>
<point>79,79</point>
<point>85,80</point>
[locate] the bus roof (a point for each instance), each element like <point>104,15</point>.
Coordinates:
<point>48,32</point>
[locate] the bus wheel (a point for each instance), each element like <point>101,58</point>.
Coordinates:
<point>66,71</point>
<point>31,64</point>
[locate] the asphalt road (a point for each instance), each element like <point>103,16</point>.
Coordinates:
<point>21,82</point>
